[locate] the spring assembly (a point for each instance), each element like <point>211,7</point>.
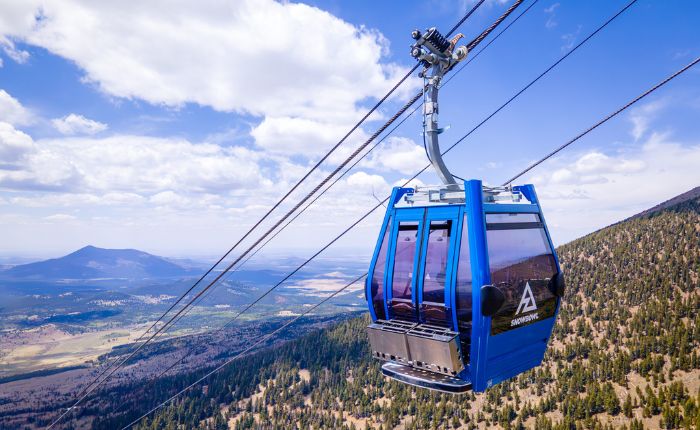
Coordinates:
<point>437,40</point>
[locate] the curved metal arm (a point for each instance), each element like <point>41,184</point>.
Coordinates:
<point>430,111</point>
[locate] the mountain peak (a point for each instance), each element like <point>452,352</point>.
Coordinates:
<point>91,262</point>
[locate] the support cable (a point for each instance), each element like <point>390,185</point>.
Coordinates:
<point>510,100</point>
<point>602,121</point>
<point>457,71</point>
<point>540,76</point>
<point>240,354</point>
<point>472,44</point>
<point>235,317</point>
<point>449,78</point>
<point>626,106</point>
<point>95,383</point>
<point>88,389</point>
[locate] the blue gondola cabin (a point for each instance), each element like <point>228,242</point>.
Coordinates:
<point>463,287</point>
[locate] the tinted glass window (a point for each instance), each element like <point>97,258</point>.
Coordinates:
<point>464,293</point>
<point>377,286</point>
<point>436,256</point>
<point>402,276</point>
<point>435,272</point>
<point>522,264</point>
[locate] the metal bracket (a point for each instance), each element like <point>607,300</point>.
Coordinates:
<point>438,55</point>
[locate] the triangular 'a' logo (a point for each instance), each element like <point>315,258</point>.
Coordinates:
<point>527,303</point>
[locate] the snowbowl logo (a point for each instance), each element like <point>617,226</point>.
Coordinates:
<point>527,304</point>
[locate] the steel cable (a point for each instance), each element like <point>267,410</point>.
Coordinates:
<point>91,386</point>
<point>357,151</point>
<point>248,349</point>
<point>460,69</point>
<point>626,106</point>
<point>590,129</point>
<point>602,121</point>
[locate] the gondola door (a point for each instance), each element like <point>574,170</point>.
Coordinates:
<point>405,256</point>
<point>512,254</point>
<point>522,264</point>
<point>435,290</point>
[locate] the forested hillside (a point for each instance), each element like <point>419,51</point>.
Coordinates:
<point>624,355</point>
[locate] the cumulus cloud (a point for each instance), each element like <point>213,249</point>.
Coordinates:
<point>366,181</point>
<point>290,135</point>
<point>77,124</point>
<point>126,165</point>
<point>12,111</point>
<point>595,189</point>
<point>594,167</point>
<point>18,55</point>
<point>398,154</point>
<point>284,60</point>
<point>411,184</point>
<point>14,145</point>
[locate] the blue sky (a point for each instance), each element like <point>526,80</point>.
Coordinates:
<point>173,127</point>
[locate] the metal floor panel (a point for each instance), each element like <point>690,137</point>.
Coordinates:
<point>425,379</point>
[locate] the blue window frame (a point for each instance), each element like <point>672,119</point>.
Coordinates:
<point>379,274</point>
<point>404,262</point>
<point>435,276</point>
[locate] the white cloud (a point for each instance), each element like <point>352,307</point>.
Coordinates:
<point>15,19</point>
<point>365,181</point>
<point>642,116</point>
<point>75,200</point>
<point>593,189</point>
<point>18,55</point>
<point>60,217</point>
<point>399,154</point>
<point>594,167</point>
<point>77,124</point>
<point>261,57</point>
<point>292,65</point>
<point>570,39</point>
<point>169,198</point>
<point>126,165</point>
<point>411,184</point>
<point>551,15</point>
<point>12,111</point>
<point>14,144</point>
<point>289,135</point>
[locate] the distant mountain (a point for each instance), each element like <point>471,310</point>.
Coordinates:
<point>669,204</point>
<point>96,263</point>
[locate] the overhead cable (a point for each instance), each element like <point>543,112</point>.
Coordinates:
<point>603,121</point>
<point>95,383</point>
<point>248,349</point>
<point>626,106</point>
<point>237,315</point>
<point>607,118</point>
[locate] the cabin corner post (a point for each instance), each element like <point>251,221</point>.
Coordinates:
<point>481,276</point>
<point>395,195</point>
